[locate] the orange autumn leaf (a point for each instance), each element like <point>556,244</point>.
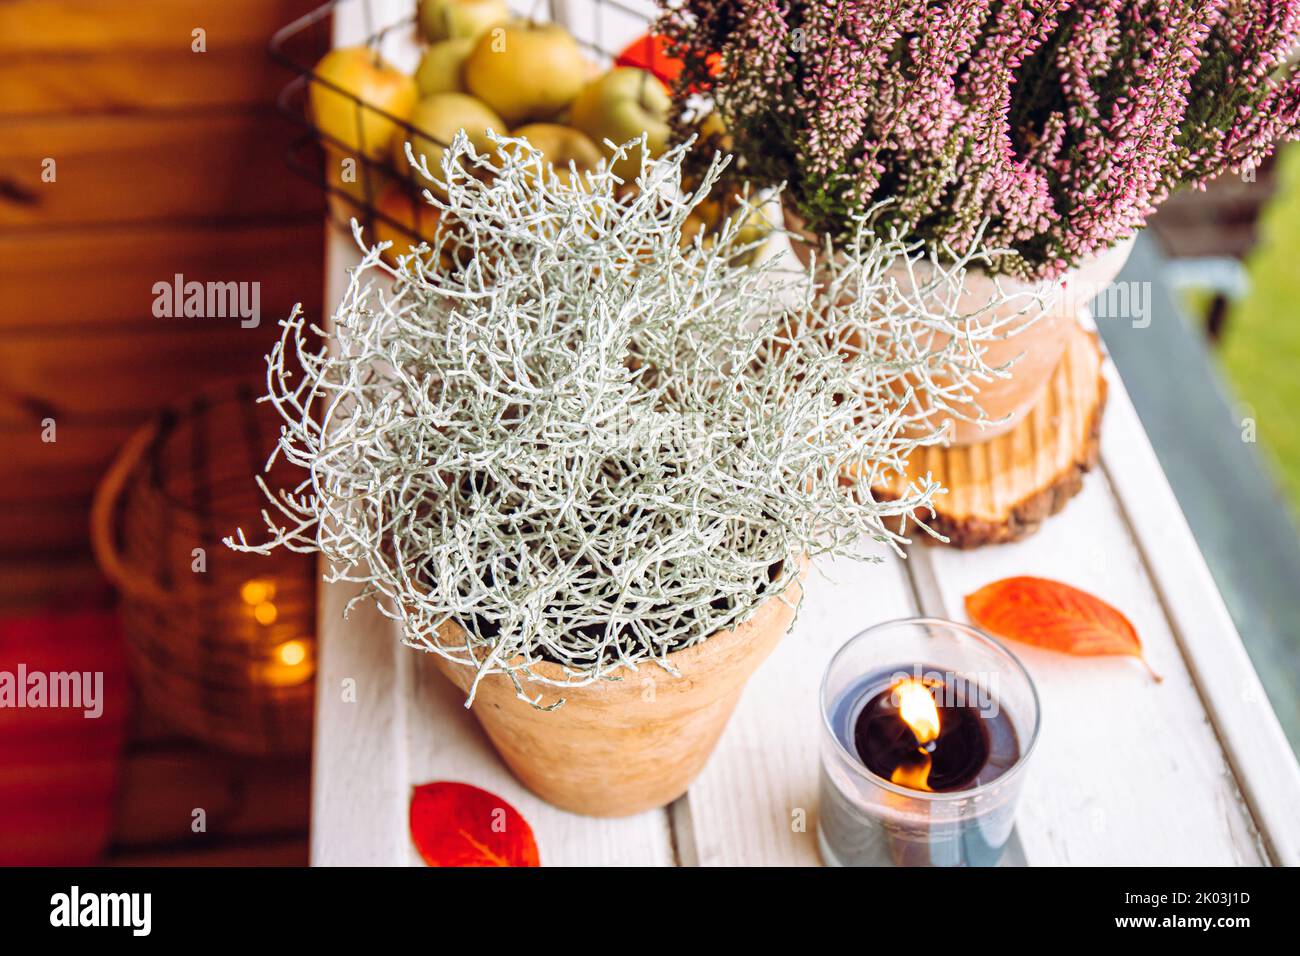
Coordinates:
<point>1054,616</point>
<point>455,824</point>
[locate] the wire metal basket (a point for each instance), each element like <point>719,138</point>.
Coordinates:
<point>601,27</point>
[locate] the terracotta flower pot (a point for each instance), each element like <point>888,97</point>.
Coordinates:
<point>620,747</point>
<point>1034,343</point>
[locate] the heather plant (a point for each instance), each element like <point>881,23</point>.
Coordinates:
<point>1061,123</point>
<point>587,442</point>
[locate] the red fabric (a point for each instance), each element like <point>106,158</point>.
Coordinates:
<point>58,768</point>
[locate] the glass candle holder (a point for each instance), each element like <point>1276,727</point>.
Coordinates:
<point>989,708</point>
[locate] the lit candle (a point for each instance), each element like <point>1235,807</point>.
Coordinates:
<point>920,766</point>
<point>258,594</point>
<point>934,735</point>
<point>290,663</point>
<point>256,591</point>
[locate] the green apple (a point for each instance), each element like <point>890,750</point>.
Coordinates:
<point>380,86</point>
<point>442,67</point>
<point>459,19</point>
<point>560,145</point>
<point>440,117</point>
<point>619,107</point>
<point>526,71</point>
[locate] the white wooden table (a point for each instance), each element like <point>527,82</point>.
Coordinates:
<point>1195,770</point>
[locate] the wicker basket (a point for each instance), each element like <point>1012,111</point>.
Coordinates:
<point>221,643</point>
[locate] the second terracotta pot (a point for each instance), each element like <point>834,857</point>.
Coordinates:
<point>616,748</point>
<point>1034,343</point>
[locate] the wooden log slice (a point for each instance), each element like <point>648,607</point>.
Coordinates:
<point>1003,489</point>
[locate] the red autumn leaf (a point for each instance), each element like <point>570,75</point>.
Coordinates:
<point>455,824</point>
<point>1054,616</point>
<point>650,52</point>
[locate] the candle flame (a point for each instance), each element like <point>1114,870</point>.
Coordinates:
<point>917,708</point>
<point>913,775</point>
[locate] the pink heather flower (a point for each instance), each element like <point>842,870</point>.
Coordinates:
<point>1059,124</point>
<point>1143,124</point>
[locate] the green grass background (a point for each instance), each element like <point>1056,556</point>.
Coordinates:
<point>1261,344</point>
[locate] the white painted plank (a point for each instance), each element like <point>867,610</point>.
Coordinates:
<point>445,742</point>
<point>761,782</point>
<point>354,21</point>
<point>359,779</point>
<point>1127,771</point>
<point>360,783</point>
<point>406,726</point>
<point>1250,732</point>
<point>609,27</point>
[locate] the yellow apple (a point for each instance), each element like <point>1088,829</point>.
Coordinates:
<point>353,182</point>
<point>526,71</point>
<point>442,67</point>
<point>459,19</point>
<point>439,118</point>
<point>754,229</point>
<point>694,225</point>
<point>723,208</point>
<point>362,73</point>
<point>713,132</point>
<point>619,107</point>
<point>413,221</point>
<point>559,145</point>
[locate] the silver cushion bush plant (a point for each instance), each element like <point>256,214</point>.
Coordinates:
<point>590,443</point>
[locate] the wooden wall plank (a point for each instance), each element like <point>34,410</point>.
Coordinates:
<point>88,82</point>
<point>88,26</point>
<point>112,376</point>
<point>289,851</point>
<point>60,56</point>
<point>225,165</point>
<point>32,470</point>
<point>98,389</point>
<point>32,585</point>
<point>49,527</point>
<point>169,160</point>
<point>159,789</point>
<point>95,276</point>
